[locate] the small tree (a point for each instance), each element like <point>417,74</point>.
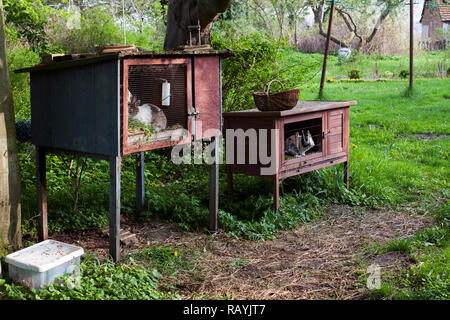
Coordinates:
<point>10,236</point>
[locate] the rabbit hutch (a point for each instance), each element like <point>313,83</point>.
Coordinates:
<point>111,105</point>
<point>312,135</point>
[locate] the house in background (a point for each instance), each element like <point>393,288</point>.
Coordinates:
<point>435,16</point>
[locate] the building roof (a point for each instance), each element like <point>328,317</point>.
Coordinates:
<point>444,9</point>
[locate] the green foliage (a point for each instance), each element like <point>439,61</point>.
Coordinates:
<point>429,278</point>
<point>168,261</point>
<point>403,74</point>
<point>354,74</point>
<point>29,18</point>
<point>257,61</point>
<point>98,281</point>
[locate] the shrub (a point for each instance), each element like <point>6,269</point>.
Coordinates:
<point>404,74</point>
<point>98,281</point>
<point>256,61</point>
<point>448,72</point>
<point>354,74</point>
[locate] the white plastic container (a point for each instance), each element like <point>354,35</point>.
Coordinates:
<point>42,263</point>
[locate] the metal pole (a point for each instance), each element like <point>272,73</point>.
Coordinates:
<point>327,45</point>
<point>411,43</point>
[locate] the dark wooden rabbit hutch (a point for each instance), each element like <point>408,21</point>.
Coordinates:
<point>327,122</point>
<point>81,106</point>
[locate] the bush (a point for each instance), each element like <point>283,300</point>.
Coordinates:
<point>354,74</point>
<point>98,281</point>
<point>448,72</point>
<point>257,60</point>
<point>404,74</point>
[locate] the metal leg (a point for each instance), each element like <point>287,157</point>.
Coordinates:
<point>41,188</point>
<point>114,208</point>
<point>140,186</point>
<point>214,188</point>
<point>230,185</point>
<point>346,173</point>
<point>276,192</point>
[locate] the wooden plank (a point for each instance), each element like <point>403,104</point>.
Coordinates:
<point>114,208</point>
<point>300,162</point>
<point>49,58</point>
<point>336,131</point>
<point>276,192</point>
<point>230,184</point>
<point>303,107</point>
<point>207,95</point>
<point>346,173</point>
<point>106,111</point>
<point>335,147</point>
<point>140,185</point>
<point>312,167</point>
<point>335,139</point>
<point>346,130</point>
<point>77,109</point>
<point>335,122</point>
<point>41,130</point>
<point>69,64</point>
<point>214,188</point>
<point>41,187</point>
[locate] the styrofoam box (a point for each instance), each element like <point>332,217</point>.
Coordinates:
<point>42,263</point>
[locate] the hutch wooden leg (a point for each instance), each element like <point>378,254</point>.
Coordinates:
<point>214,187</point>
<point>114,208</point>
<point>230,185</point>
<point>346,173</point>
<point>41,188</point>
<point>276,192</point>
<point>140,186</point>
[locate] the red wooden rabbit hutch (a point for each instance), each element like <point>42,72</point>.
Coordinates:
<point>81,107</point>
<point>326,121</point>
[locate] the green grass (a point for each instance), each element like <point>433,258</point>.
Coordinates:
<point>425,64</point>
<point>97,281</point>
<point>400,143</point>
<point>429,277</point>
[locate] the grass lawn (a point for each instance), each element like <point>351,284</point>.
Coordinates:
<point>401,147</point>
<point>426,64</point>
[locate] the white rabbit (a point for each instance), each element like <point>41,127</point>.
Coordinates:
<point>147,114</point>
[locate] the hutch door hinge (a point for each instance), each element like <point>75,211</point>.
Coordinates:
<point>193,113</point>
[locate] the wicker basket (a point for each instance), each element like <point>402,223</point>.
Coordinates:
<point>275,101</point>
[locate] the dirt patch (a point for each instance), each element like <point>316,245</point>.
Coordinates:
<point>425,136</point>
<point>90,240</point>
<point>316,261</point>
<point>429,136</point>
<point>320,260</point>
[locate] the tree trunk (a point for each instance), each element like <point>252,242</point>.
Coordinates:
<point>184,13</point>
<point>10,236</point>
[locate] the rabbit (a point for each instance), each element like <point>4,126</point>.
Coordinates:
<point>305,144</point>
<point>147,114</point>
